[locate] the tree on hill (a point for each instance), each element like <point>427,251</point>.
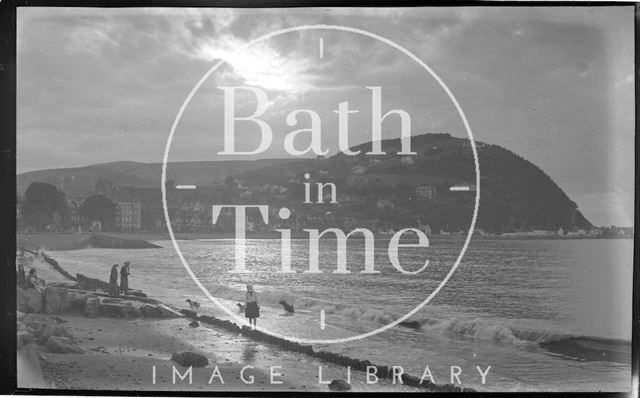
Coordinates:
<point>230,182</point>
<point>103,187</point>
<point>42,201</point>
<point>99,208</point>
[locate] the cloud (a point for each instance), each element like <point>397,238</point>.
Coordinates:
<point>553,85</point>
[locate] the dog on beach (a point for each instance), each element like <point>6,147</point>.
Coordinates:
<point>287,307</point>
<point>193,305</point>
<point>240,307</point>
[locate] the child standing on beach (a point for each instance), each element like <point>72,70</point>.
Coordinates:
<point>252,308</point>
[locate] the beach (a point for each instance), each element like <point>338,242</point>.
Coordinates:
<point>554,333</point>
<point>136,354</point>
<point>120,354</point>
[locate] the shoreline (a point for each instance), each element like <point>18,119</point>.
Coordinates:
<point>78,263</point>
<point>117,351</point>
<point>135,240</point>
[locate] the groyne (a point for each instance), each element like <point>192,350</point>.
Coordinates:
<point>57,267</point>
<point>381,371</point>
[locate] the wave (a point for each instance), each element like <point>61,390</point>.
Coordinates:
<point>569,345</point>
<point>273,298</point>
<point>477,329</point>
<point>491,330</point>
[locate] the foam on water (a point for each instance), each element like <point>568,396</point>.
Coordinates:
<point>527,308</point>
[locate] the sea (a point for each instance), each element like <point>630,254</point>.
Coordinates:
<point>545,315</point>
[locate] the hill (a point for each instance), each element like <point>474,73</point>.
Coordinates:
<point>515,194</point>
<point>80,181</point>
<point>378,192</point>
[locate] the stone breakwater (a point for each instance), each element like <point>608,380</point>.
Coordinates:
<point>382,371</point>
<point>58,298</point>
<point>53,263</point>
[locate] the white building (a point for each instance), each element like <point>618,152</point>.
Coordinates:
<point>129,216</point>
<point>424,192</point>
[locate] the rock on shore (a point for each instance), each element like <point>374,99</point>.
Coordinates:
<point>339,385</point>
<point>190,359</point>
<point>34,329</point>
<point>55,299</point>
<point>29,300</point>
<point>62,345</point>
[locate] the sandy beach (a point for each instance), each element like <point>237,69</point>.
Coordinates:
<point>121,354</point>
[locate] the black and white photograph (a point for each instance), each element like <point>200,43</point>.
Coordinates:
<point>324,199</point>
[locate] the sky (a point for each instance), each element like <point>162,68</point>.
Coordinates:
<point>554,85</point>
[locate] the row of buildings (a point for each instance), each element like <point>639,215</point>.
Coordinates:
<point>595,232</point>
<point>128,217</point>
<point>196,216</point>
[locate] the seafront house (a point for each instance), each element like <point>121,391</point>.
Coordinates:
<point>77,221</point>
<point>425,192</point>
<point>129,216</point>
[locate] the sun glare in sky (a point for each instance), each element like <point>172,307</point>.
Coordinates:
<point>263,66</point>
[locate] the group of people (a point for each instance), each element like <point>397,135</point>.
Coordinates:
<point>114,289</point>
<point>251,308</point>
<point>29,281</point>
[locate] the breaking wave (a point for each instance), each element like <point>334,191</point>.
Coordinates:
<point>557,342</point>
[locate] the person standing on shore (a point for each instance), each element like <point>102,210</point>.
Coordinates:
<point>124,278</point>
<point>252,307</point>
<point>113,281</point>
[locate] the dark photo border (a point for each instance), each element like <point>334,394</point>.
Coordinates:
<point>8,13</point>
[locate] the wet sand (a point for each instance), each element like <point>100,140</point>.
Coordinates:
<point>120,355</point>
